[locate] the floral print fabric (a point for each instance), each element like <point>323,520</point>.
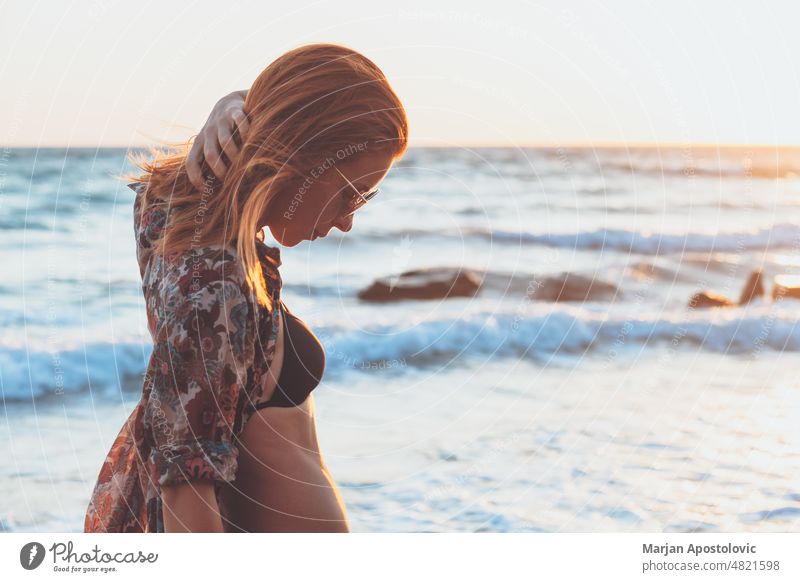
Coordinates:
<point>212,346</point>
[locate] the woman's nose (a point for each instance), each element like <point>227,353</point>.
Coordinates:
<point>344,223</point>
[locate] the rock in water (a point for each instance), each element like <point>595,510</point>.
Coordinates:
<point>704,299</point>
<point>754,288</point>
<point>431,283</point>
<point>786,287</point>
<point>573,287</point>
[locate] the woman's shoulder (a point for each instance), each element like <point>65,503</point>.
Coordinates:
<point>207,271</point>
<point>147,225</point>
<point>201,264</point>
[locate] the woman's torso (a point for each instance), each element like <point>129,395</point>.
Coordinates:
<point>302,367</point>
<point>282,482</point>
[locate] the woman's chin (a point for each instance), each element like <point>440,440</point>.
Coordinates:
<point>287,238</point>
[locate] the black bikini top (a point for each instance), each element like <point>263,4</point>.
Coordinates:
<point>303,364</point>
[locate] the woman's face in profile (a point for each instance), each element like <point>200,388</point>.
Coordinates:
<point>311,208</point>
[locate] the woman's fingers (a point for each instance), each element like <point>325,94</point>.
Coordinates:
<point>220,139</point>
<point>242,123</point>
<point>194,163</point>
<point>211,153</point>
<point>229,146</point>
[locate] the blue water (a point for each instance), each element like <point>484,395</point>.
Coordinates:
<point>493,413</point>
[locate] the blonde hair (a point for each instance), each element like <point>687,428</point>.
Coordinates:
<point>306,105</point>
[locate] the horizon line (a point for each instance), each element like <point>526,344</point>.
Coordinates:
<point>505,145</point>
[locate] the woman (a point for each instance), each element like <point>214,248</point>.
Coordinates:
<point>223,438</point>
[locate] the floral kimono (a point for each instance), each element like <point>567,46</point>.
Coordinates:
<point>212,348</point>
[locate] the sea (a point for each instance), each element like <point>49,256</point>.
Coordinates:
<point>498,412</point>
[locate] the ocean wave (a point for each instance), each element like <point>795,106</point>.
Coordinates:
<point>549,333</point>
<point>722,170</point>
<point>570,331</point>
<point>779,236</point>
<point>45,372</point>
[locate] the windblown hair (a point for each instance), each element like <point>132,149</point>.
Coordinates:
<point>304,107</point>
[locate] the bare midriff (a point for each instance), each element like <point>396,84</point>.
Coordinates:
<point>282,482</point>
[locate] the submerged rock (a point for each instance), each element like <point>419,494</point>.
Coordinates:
<point>704,299</point>
<point>786,287</point>
<point>421,284</point>
<point>753,289</point>
<point>573,287</point>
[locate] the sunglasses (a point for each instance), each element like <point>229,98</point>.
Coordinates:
<point>355,202</point>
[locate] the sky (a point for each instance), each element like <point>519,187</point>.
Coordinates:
<point>111,73</point>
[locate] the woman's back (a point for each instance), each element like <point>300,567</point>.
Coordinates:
<point>212,347</point>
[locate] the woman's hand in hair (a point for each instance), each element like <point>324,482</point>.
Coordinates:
<point>219,138</point>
